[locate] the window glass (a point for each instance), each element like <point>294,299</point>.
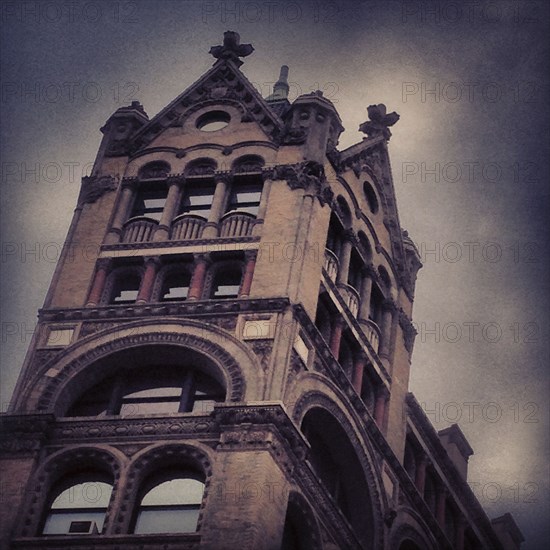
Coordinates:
<point>170,507</point>
<point>85,502</point>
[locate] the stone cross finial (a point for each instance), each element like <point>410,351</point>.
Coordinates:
<point>379,121</point>
<point>231,48</point>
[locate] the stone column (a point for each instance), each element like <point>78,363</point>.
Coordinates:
<point>121,215</point>
<point>102,269</point>
<point>199,275</point>
<point>146,288</point>
<point>250,264</point>
<point>345,258</point>
<point>440,505</point>
<point>337,328</point>
<point>366,291</point>
<point>175,185</point>
<point>388,309</point>
<point>460,532</point>
<point>211,229</point>
<point>358,371</point>
<point>420,477</point>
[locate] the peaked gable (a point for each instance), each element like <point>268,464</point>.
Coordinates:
<point>223,83</point>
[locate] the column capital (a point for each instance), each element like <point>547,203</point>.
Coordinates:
<point>175,179</point>
<point>129,182</point>
<point>225,176</point>
<point>202,257</point>
<point>350,236</point>
<point>155,260</point>
<point>104,263</point>
<point>250,255</point>
<point>368,270</point>
<point>389,305</point>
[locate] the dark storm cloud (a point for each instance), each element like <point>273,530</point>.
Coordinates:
<point>469,157</point>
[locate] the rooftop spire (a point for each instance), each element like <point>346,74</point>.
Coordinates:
<point>231,48</point>
<point>281,87</point>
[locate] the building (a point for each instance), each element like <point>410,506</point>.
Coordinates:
<point>223,356</point>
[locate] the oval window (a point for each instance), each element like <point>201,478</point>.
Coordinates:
<point>372,200</point>
<point>213,121</point>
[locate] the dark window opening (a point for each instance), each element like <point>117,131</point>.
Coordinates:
<point>197,199</point>
<point>125,289</point>
<point>376,302</point>
<point>150,390</point>
<point>150,203</point>
<point>175,287</point>
<point>354,273</point>
<point>245,197</point>
<point>227,283</point>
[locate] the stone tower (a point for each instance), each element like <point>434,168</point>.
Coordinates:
<point>222,359</point>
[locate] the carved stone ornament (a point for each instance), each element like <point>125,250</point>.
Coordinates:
<point>379,122</point>
<point>409,332</point>
<point>94,187</point>
<point>231,49</point>
<point>307,175</point>
<point>294,136</point>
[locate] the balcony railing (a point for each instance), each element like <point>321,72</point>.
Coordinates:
<point>331,264</point>
<point>237,224</point>
<point>139,230</point>
<point>372,332</point>
<point>351,297</point>
<point>187,227</point>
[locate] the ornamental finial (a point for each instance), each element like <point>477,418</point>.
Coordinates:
<point>379,121</point>
<point>231,48</point>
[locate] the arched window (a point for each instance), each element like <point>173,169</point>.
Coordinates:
<point>156,169</point>
<point>334,460</point>
<point>364,246</point>
<point>248,164</point>
<point>77,504</point>
<point>335,236</point>
<point>169,503</point>
<point>343,211</point>
<point>153,389</point>
<point>201,167</point>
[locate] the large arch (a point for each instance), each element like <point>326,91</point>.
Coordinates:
<point>409,531</point>
<point>318,400</point>
<point>55,384</point>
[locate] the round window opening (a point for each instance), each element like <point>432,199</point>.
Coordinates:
<point>213,121</point>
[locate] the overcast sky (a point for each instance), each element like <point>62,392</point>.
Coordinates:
<point>469,158</point>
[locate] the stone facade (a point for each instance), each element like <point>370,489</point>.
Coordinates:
<point>229,238</point>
